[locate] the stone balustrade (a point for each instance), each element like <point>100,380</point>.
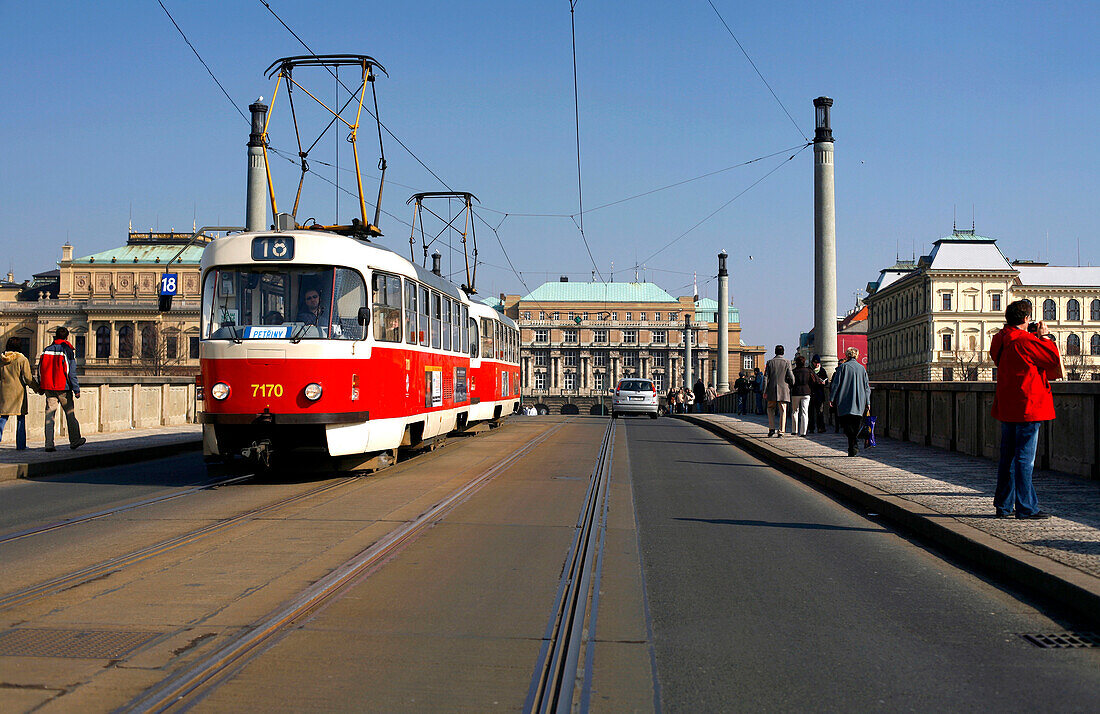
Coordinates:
<point>119,403</point>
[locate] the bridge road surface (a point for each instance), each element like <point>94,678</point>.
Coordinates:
<point>762,593</point>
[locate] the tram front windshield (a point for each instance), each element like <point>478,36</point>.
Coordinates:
<point>283,302</point>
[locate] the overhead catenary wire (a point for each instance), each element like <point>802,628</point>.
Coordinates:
<point>758,72</point>
<point>577,115</point>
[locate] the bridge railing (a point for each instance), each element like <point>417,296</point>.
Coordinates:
<point>957,416</point>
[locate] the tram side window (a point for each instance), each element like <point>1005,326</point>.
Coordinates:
<point>472,332</point>
<point>499,339</point>
<point>456,327</point>
<point>487,349</point>
<point>387,307</point>
<point>465,321</point>
<point>410,312</point>
<point>350,295</point>
<point>423,306</point>
<point>436,327</point>
<point>445,318</point>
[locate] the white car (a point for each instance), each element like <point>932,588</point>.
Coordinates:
<point>635,396</point>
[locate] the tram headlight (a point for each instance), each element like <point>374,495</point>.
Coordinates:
<point>313,391</point>
<point>219,391</point>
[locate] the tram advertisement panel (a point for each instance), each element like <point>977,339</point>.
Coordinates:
<point>461,394</point>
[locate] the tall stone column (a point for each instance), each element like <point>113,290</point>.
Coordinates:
<point>723,325</point>
<point>824,237</point>
<point>255,218</point>
<point>687,351</point>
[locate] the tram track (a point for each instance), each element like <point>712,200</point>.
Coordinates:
<point>572,624</point>
<point>186,687</point>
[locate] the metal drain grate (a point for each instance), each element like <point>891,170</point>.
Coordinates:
<point>77,644</point>
<point>1064,640</point>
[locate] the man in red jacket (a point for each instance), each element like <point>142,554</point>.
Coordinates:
<point>1022,402</point>
<point>57,378</point>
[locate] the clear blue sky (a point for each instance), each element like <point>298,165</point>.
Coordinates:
<point>987,106</point>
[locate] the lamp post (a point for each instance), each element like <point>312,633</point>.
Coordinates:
<point>256,198</point>
<point>824,236</point>
<point>723,325</point>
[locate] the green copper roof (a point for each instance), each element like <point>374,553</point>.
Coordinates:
<point>966,235</point>
<point>706,310</point>
<point>600,292</point>
<point>144,254</point>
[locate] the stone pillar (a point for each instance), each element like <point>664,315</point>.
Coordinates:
<point>255,218</point>
<point>824,237</point>
<point>723,385</point>
<point>687,351</point>
<point>114,343</point>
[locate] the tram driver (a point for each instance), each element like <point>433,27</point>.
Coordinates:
<point>313,310</point>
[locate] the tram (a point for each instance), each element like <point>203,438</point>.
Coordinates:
<point>313,341</point>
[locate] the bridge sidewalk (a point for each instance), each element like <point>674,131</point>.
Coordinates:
<point>947,497</point>
<point>102,449</point>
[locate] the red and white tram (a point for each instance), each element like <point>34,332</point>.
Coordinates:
<point>321,342</point>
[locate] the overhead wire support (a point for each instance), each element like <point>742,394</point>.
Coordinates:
<point>577,122</point>
<point>417,200</point>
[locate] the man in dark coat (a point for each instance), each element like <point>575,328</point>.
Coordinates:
<point>818,398</point>
<point>700,391</point>
<point>778,380</point>
<point>1021,403</point>
<point>743,389</point>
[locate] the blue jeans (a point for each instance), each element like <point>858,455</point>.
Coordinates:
<point>1014,487</point>
<point>20,430</point>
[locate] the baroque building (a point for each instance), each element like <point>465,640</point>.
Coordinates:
<point>933,320</point>
<point>579,338</point>
<point>109,303</point>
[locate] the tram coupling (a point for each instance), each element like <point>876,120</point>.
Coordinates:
<point>260,452</point>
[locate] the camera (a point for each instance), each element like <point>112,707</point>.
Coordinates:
<point>1033,327</point>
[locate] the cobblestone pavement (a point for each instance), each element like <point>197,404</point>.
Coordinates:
<point>955,485</point>
<point>111,442</point>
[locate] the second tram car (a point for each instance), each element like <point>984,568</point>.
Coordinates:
<point>315,341</point>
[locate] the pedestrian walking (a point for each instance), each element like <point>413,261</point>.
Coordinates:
<point>818,396</point>
<point>850,394</point>
<point>712,399</point>
<point>758,390</point>
<point>688,398</point>
<point>699,395</point>
<point>57,378</point>
<point>778,380</point>
<point>804,382</point>
<point>1025,361</point>
<point>743,388</point>
<point>15,377</point>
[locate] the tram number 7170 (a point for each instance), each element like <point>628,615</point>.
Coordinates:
<point>267,390</point>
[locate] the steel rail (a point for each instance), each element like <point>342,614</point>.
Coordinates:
<point>121,509</point>
<point>556,670</point>
<point>112,565</point>
<point>210,671</point>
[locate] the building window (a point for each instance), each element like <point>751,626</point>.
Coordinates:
<point>554,316</point>
<point>659,382</point>
<point>540,358</point>
<point>1073,310</point>
<point>540,380</point>
<point>193,347</point>
<point>615,316</point>
<point>599,335</point>
<point>641,316</point>
<point>660,359</point>
<point>171,346</point>
<point>971,374</point>
<point>1073,345</point>
<point>584,316</point>
<point>542,335</point>
<point>597,381</point>
<point>599,359</point>
<point>126,342</point>
<point>81,346</point>
<point>542,315</point>
<point>630,337</point>
<point>526,316</point>
<point>948,374</point>
<point>630,359</point>
<point>971,302</point>
<point>102,342</point>
<point>627,318</point>
<point>569,336</point>
<point>1094,311</point>
<point>946,342</point>
<point>1094,344</point>
<point>569,358</point>
<point>747,362</point>
<point>570,380</point>
<point>1050,310</point>
<point>1096,376</point>
<point>660,337</point>
<point>995,302</point>
<point>572,316</point>
<point>601,316</point>
<point>947,302</point>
